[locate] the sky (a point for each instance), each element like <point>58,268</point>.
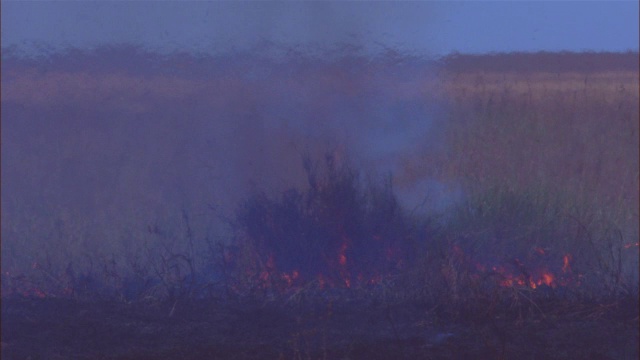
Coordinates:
<point>424,27</point>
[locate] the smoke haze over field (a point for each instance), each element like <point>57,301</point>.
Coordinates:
<point>197,179</point>
<point>107,146</point>
<point>98,156</point>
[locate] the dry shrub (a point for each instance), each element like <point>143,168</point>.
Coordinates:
<point>338,231</point>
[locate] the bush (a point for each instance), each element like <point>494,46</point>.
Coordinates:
<point>338,231</point>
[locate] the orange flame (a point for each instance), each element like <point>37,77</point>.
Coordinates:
<point>547,279</point>
<point>290,278</point>
<point>342,259</point>
<point>566,266</point>
<point>342,255</point>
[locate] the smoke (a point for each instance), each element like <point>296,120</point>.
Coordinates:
<point>101,145</point>
<point>117,151</point>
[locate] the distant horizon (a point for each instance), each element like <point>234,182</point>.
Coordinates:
<point>423,28</point>
<point>38,49</point>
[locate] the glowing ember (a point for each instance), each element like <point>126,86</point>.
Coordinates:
<point>566,266</point>
<point>290,278</point>
<point>342,257</point>
<point>547,279</point>
<point>527,276</point>
<point>342,252</point>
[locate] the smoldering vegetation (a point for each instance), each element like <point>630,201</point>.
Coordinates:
<point>283,204</point>
<point>130,175</point>
<point>102,146</point>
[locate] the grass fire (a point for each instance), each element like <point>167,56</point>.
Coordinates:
<point>319,207</point>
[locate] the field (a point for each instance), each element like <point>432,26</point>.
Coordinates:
<point>241,207</point>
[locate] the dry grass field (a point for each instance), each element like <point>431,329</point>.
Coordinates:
<point>572,133</point>
<point>242,208</point>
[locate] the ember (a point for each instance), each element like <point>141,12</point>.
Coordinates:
<point>566,266</point>
<point>519,273</point>
<point>332,234</point>
<point>336,263</point>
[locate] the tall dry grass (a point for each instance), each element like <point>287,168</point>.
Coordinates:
<point>564,143</point>
<point>574,133</point>
<point>550,160</point>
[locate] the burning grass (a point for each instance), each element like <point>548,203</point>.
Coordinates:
<point>540,242</point>
<point>337,232</point>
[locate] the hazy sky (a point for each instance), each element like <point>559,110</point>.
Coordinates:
<point>428,27</point>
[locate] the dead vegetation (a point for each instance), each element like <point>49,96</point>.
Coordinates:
<point>537,259</point>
